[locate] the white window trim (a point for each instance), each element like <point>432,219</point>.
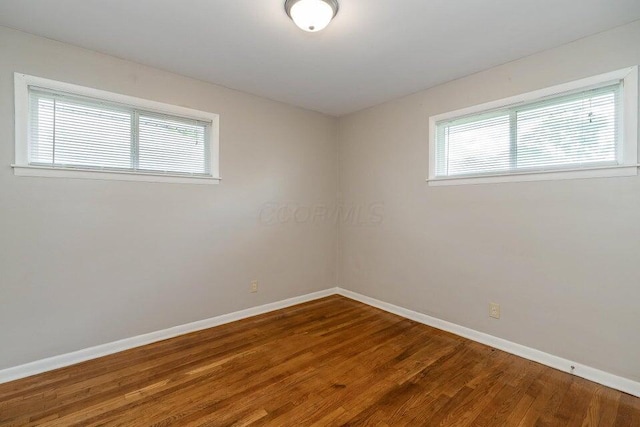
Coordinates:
<point>21,167</point>
<point>629,132</point>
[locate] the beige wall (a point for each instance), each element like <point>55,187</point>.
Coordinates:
<point>561,257</point>
<point>85,262</point>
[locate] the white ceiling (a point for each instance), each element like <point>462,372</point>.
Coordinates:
<point>375,50</point>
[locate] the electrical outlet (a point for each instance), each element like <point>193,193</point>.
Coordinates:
<point>254,286</point>
<point>494,310</point>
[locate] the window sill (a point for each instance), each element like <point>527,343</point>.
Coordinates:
<point>51,172</point>
<point>595,172</point>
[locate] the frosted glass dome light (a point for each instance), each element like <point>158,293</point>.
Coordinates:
<point>311,15</point>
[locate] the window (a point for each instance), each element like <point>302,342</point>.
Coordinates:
<point>582,129</point>
<point>72,131</point>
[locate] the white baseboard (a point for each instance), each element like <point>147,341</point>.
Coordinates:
<point>610,380</point>
<point>55,362</point>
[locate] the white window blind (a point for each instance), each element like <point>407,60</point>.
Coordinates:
<point>70,131</point>
<point>578,130</point>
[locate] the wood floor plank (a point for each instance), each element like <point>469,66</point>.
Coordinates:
<point>328,362</point>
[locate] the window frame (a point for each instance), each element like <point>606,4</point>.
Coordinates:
<point>628,132</point>
<point>21,167</point>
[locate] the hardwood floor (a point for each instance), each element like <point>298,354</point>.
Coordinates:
<point>332,361</point>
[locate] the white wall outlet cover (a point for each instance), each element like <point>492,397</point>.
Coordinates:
<point>494,310</point>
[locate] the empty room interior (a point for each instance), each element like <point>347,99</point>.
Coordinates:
<point>319,213</point>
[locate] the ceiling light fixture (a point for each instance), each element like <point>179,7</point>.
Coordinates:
<point>311,15</point>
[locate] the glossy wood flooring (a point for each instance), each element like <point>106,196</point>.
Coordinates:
<point>328,362</point>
